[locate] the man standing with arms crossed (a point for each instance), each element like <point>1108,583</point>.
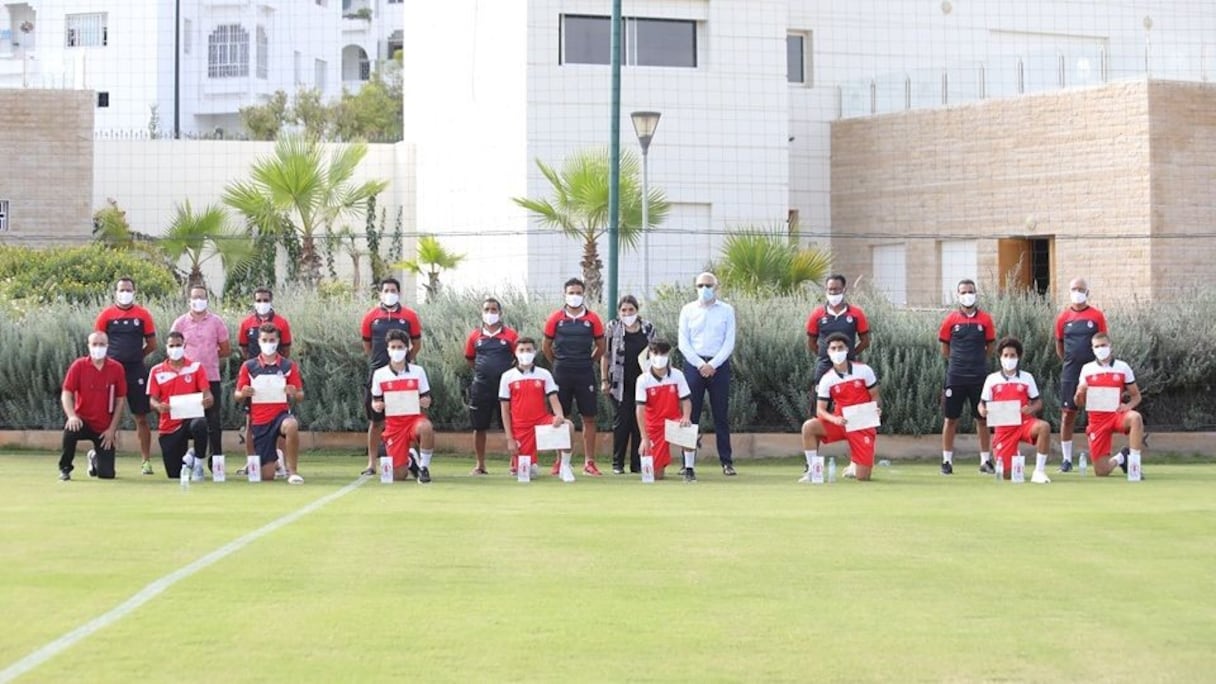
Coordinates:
<point>1075,329</point>
<point>707,339</point>
<point>132,336</point>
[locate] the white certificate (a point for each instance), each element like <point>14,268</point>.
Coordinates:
<point>183,406</point>
<point>549,438</point>
<point>1004,413</point>
<point>402,403</point>
<point>681,436</point>
<point>1103,399</point>
<point>861,416</point>
<point>269,389</point>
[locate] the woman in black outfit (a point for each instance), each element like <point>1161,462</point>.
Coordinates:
<point>628,336</point>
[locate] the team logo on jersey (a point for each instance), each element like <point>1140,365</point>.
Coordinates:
<point>949,392</point>
<point>587,324</point>
<point>536,383</point>
<point>1089,323</point>
<point>187,378</point>
<point>957,327</point>
<point>981,327</point>
<point>848,319</point>
<point>824,321</point>
<point>501,342</point>
<point>857,383</point>
<point>135,322</point>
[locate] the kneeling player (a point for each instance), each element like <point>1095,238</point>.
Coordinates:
<point>1011,383</point>
<point>400,430</point>
<point>523,392</point>
<point>662,394</point>
<point>846,384</point>
<point>178,375</point>
<point>272,419</point>
<point>1108,372</point>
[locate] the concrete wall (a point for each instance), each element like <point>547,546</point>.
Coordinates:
<point>46,153</point>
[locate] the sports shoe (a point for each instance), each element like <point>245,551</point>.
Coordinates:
<point>93,464</point>
<point>477,471</point>
<point>729,470</point>
<point>146,468</point>
<point>1065,466</point>
<point>197,475</point>
<point>368,471</point>
<point>618,470</point>
<point>1040,477</point>
<point>295,479</point>
<point>413,469</point>
<point>690,475</point>
<point>947,468</point>
<point>424,475</point>
<point>988,468</point>
<point>242,471</point>
<point>590,469</point>
<point>806,477</point>
<point>64,476</point>
<point>533,470</point>
<point>850,471</point>
<point>557,467</point>
<point>1125,452</point>
<point>280,468</point>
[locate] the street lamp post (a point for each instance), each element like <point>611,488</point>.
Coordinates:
<point>644,124</point>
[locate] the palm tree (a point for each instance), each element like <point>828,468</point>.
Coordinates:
<point>298,194</point>
<point>200,237</point>
<point>432,259</point>
<point>763,261</point>
<point>579,206</point>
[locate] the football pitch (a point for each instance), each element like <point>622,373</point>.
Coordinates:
<point>912,577</point>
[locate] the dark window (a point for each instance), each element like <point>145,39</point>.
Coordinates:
<point>795,59</point>
<point>587,40</point>
<point>663,42</point>
<point>103,99</point>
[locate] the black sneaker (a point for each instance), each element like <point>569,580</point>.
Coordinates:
<point>424,475</point>
<point>415,472</point>
<point>988,468</point>
<point>947,468</point>
<point>690,475</point>
<point>64,476</point>
<point>729,470</point>
<point>618,470</point>
<point>368,471</point>
<point>1065,466</point>
<point>1125,453</point>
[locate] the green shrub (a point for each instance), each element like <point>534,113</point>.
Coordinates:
<point>77,274</point>
<point>1173,360</point>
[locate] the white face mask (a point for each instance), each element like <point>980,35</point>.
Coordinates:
<point>97,353</point>
<point>525,358</point>
<point>967,299</point>
<point>629,320</point>
<point>124,297</point>
<point>1102,353</point>
<point>574,301</point>
<point>489,318</point>
<point>1009,364</point>
<point>389,299</point>
<point>175,353</point>
<point>397,355</point>
<point>659,362</point>
<point>835,299</point>
<point>838,357</point>
<point>705,293</point>
<point>198,305</point>
<point>268,348</point>
<point>1079,296</point>
<point>262,308</point>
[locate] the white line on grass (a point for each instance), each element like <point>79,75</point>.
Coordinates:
<point>154,589</point>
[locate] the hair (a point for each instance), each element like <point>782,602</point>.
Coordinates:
<point>844,282</point>
<point>390,281</point>
<point>525,340</point>
<point>1011,343</point>
<point>574,281</point>
<point>197,287</point>
<point>836,337</point>
<point>964,281</point>
<point>398,335</point>
<point>660,347</point>
<point>176,335</point>
<point>1100,336</point>
<point>125,279</point>
<point>263,290</point>
<point>497,303</point>
<point>628,299</point>
<point>270,328</point>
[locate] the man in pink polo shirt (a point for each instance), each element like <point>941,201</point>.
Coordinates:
<point>206,343</point>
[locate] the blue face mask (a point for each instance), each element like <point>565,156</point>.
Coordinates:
<point>706,293</point>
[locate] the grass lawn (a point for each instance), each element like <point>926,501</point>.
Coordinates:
<point>912,577</point>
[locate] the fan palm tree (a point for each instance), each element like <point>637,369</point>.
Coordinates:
<point>200,237</point>
<point>578,206</point>
<point>299,194</point>
<point>433,258</point>
<point>762,261</point>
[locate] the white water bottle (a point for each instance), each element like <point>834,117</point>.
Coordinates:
<point>832,469</point>
<point>1000,469</point>
<point>1082,465</point>
<point>187,471</point>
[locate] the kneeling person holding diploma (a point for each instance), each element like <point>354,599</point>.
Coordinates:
<point>179,391</point>
<point>1009,401</point>
<point>1103,384</point>
<point>846,385</point>
<point>270,383</point>
<point>662,394</point>
<point>523,393</point>
<point>401,392</point>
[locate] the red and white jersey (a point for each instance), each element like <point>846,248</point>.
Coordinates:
<point>848,389</point>
<point>1118,375</point>
<point>1019,387</point>
<point>412,377</point>
<point>661,396</point>
<point>527,392</point>
<point>165,381</point>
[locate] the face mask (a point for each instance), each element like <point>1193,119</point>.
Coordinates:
<point>706,294</point>
<point>124,297</point>
<point>1079,296</point>
<point>198,305</point>
<point>262,308</point>
<point>1009,364</point>
<point>659,362</point>
<point>574,301</point>
<point>835,299</point>
<point>97,353</point>
<point>175,353</point>
<point>838,357</point>
<point>1102,353</point>
<point>489,318</point>
<point>525,358</point>
<point>268,348</point>
<point>629,320</point>
<point>397,355</point>
<point>967,300</point>
<point>389,299</point>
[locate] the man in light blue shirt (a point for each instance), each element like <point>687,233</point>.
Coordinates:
<point>707,339</point>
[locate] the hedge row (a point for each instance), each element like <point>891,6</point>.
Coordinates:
<point>1173,356</point>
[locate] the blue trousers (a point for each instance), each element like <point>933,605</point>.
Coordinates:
<point>718,387</point>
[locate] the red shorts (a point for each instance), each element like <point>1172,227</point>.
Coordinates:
<point>525,437</point>
<point>861,442</point>
<point>1100,429</point>
<point>398,438</point>
<point>660,450</point>
<point>1005,441</point>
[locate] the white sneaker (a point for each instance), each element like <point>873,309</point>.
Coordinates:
<point>535,470</point>
<point>92,455</point>
<point>295,478</point>
<point>850,472</point>
<point>1040,477</point>
<point>198,475</point>
<point>567,473</point>
<point>806,477</point>
<point>188,460</point>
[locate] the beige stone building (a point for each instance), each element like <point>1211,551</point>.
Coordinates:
<point>1115,183</point>
<point>46,176</point>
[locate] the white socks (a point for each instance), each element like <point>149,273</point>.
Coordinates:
<point>426,457</point>
<point>690,459</point>
<point>1040,461</point>
<point>985,456</point>
<point>1066,451</point>
<point>947,457</point>
<point>810,456</point>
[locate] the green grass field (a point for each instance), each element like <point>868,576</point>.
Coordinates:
<point>912,577</point>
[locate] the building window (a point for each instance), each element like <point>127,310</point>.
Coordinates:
<point>228,52</point>
<point>319,75</point>
<point>103,99</point>
<point>86,30</point>
<point>263,53</point>
<point>890,269</point>
<point>187,36</point>
<point>3,216</point>
<point>798,58</point>
<point>645,42</point>
<point>298,67</point>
